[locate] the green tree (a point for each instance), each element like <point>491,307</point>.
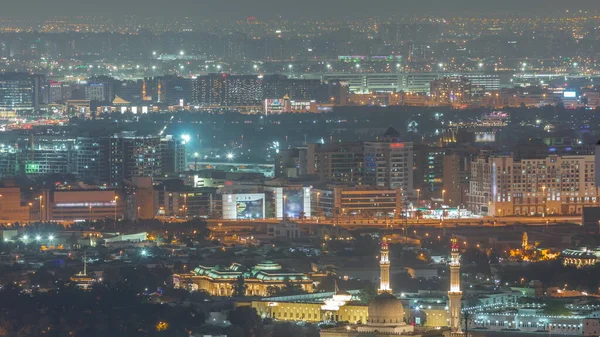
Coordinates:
<point>247,319</point>
<point>367,293</point>
<point>239,288</point>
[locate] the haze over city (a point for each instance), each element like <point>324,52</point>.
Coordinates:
<point>300,168</point>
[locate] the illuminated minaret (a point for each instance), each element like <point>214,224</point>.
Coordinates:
<point>454,295</point>
<point>384,269</point>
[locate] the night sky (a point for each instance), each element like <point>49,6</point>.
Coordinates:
<point>267,9</point>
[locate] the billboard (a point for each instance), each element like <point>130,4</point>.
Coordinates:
<point>275,106</point>
<point>570,94</point>
<point>243,206</point>
<point>293,204</point>
<point>485,137</point>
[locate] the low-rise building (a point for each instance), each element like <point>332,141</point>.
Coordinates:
<point>258,280</point>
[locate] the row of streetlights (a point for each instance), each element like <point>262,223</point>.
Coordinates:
<point>38,238</point>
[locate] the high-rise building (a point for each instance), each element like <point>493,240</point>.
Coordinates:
<point>389,164</point>
<point>504,186</point>
<point>451,90</point>
<point>96,92</point>
<point>172,153</point>
<point>454,293</point>
<point>227,90</point>
<point>19,93</point>
<point>131,155</point>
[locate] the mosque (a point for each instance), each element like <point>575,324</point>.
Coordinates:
<point>385,315</point>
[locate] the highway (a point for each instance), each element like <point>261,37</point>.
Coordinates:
<point>354,223</point>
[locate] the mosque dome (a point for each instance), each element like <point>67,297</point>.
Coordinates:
<point>386,309</point>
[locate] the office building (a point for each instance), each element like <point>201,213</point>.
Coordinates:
<point>19,93</point>
<point>451,90</point>
<point>227,90</point>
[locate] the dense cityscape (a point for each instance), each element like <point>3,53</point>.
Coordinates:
<point>279,176</point>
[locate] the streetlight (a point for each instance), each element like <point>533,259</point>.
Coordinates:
<point>418,197</point>
<point>230,156</point>
<point>41,197</point>
<point>443,196</point>
<point>115,201</point>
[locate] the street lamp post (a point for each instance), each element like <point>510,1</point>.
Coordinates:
<point>318,200</point>
<point>443,197</point>
<point>116,201</point>
<point>41,197</point>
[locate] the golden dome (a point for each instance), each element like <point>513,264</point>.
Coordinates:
<point>385,309</point>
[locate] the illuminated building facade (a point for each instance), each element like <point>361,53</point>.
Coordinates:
<point>227,90</point>
<point>451,90</point>
<point>384,268</point>
<point>503,186</point>
<point>221,281</point>
<point>18,93</point>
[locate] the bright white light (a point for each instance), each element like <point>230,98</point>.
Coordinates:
<point>50,237</point>
<point>186,138</point>
<point>328,66</point>
<point>575,64</point>
<point>196,154</point>
<point>38,238</point>
<point>290,66</point>
<point>255,66</point>
<point>181,53</point>
<point>144,252</point>
<point>153,53</point>
<point>230,155</point>
<point>153,67</point>
<point>218,66</point>
<point>180,67</point>
<point>25,237</point>
<point>440,65</point>
<point>480,65</point>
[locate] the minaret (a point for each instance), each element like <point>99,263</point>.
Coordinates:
<point>454,295</point>
<point>384,268</point>
<point>525,243</point>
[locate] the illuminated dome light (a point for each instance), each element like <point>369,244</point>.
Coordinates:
<point>386,315</point>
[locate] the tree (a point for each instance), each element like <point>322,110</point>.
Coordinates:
<point>247,319</point>
<point>367,293</point>
<point>239,288</point>
<point>287,329</point>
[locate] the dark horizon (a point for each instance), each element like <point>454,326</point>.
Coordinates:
<point>291,9</point>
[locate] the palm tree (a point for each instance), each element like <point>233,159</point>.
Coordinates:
<point>418,215</point>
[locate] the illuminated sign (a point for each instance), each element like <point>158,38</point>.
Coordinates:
<point>396,145</point>
<point>485,137</point>
<point>569,94</point>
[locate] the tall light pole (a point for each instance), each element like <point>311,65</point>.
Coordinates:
<point>443,197</point>
<point>544,201</point>
<point>116,202</point>
<point>41,197</point>
<point>318,199</point>
<point>418,197</point>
